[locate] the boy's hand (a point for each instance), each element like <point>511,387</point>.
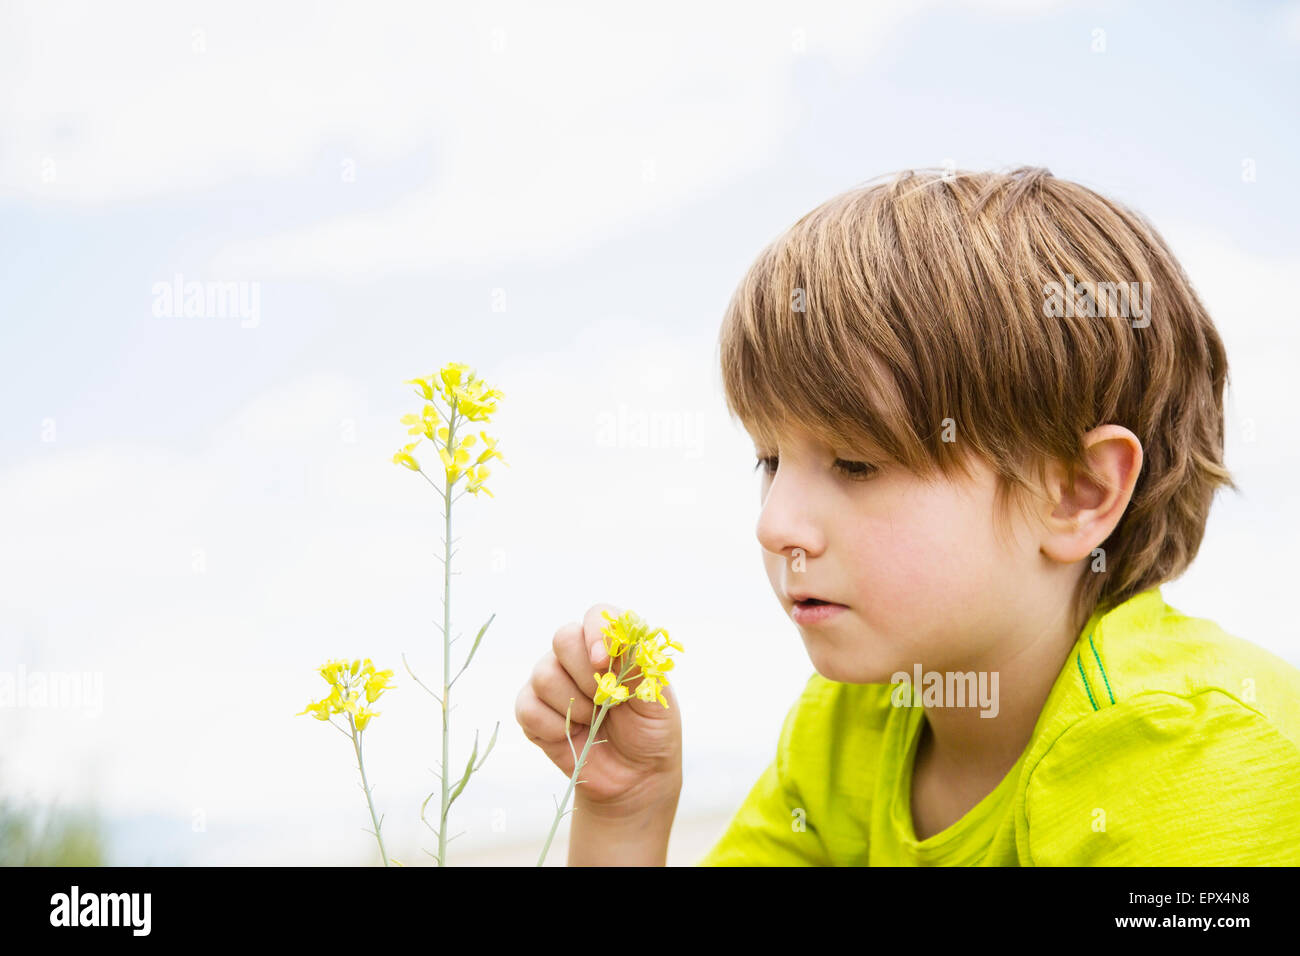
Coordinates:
<point>639,763</point>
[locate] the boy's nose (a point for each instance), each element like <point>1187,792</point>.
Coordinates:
<point>788,522</point>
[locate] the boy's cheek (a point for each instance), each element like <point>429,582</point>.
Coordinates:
<point>922,569</point>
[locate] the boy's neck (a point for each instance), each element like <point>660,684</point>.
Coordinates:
<point>959,743</point>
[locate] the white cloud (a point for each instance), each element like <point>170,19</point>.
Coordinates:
<point>551,130</point>
<point>1289,16</point>
<point>1248,297</point>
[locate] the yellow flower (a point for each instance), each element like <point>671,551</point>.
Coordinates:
<point>347,683</point>
<point>320,710</point>
<point>650,651</point>
<point>377,684</point>
<point>623,631</point>
<point>426,387</point>
<point>608,688</point>
<point>489,452</point>
<point>403,457</point>
<point>453,466</point>
<point>468,396</point>
<point>475,400</point>
<point>649,690</point>
<point>452,373</point>
<point>476,479</point>
<point>330,670</point>
<point>423,424</point>
<point>653,661</point>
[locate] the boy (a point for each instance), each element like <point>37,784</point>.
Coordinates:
<point>988,413</point>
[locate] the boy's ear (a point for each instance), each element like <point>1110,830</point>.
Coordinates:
<point>1086,513</point>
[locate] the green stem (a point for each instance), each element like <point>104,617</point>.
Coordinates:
<point>446,643</point>
<point>573,780</point>
<point>361,765</point>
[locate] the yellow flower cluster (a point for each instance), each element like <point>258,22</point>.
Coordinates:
<point>468,398</point>
<point>348,683</point>
<point>628,633</point>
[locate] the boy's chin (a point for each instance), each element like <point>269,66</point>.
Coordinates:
<point>837,668</point>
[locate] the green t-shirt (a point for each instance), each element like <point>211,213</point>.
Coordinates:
<point>1164,742</point>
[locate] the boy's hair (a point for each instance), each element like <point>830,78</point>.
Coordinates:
<point>940,314</point>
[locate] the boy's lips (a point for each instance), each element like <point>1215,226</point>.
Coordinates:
<point>809,608</point>
<point>807,613</point>
<point>804,597</point>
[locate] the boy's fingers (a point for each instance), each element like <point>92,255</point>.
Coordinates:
<point>542,725</point>
<point>570,649</point>
<point>553,685</point>
<point>593,624</point>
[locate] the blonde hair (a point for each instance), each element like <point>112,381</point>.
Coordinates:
<point>899,314</point>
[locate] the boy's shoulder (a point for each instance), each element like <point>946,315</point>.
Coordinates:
<point>1164,739</point>
<point>1145,655</point>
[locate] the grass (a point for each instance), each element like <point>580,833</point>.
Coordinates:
<point>48,836</point>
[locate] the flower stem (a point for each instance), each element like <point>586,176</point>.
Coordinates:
<point>577,769</point>
<point>356,745</point>
<point>559,813</point>
<point>446,644</point>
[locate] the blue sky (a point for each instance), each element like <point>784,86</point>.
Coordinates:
<point>385,174</point>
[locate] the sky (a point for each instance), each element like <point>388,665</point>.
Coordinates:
<point>198,511</point>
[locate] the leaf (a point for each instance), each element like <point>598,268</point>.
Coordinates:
<point>422,817</point>
<point>482,630</point>
<point>489,746</point>
<point>469,768</point>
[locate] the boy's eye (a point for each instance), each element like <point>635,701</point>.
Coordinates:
<point>857,470</point>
